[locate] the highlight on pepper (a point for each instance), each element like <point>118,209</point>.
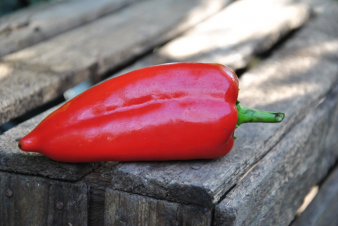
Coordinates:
<point>175,111</point>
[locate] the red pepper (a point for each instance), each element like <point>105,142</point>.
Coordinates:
<point>168,112</point>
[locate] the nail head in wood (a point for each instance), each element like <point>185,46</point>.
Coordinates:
<point>9,193</point>
<point>59,205</point>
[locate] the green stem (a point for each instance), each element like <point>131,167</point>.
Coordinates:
<point>252,115</point>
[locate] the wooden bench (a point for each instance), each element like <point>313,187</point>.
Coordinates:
<point>262,181</point>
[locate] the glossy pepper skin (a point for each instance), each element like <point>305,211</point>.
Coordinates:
<point>174,111</point>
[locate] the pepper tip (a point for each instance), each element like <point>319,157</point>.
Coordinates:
<point>28,143</point>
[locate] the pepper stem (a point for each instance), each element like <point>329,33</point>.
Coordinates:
<point>252,115</point>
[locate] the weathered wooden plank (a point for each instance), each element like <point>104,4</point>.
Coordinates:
<point>291,81</point>
<point>35,24</point>
<point>323,210</point>
<point>274,190</point>
<point>14,160</point>
<point>237,10</point>
<point>93,49</point>
<point>27,200</point>
<point>220,39</point>
<point>128,209</point>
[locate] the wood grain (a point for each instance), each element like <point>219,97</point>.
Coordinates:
<point>92,50</point>
<point>98,181</point>
<point>35,24</point>
<point>128,209</point>
<point>322,211</point>
<point>292,80</point>
<point>27,200</point>
<point>275,188</point>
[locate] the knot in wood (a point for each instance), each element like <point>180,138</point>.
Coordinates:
<point>59,205</point>
<point>9,192</point>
